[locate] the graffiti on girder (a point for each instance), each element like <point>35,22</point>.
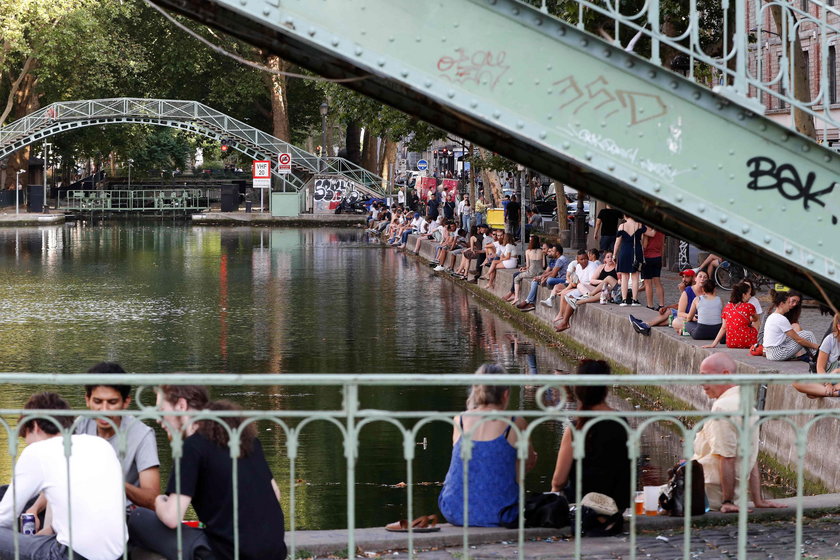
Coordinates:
<point>767,175</point>
<point>481,67</point>
<point>606,101</point>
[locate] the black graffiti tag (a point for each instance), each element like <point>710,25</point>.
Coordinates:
<point>765,174</point>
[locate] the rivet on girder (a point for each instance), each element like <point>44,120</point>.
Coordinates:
<point>767,239</point>
<point>731,201</point>
<point>696,95</point>
<point>549,116</point>
<point>611,167</point>
<point>827,158</point>
<point>266,12</point>
<point>634,177</point>
<point>785,137</point>
<point>679,198</point>
<point>334,42</point>
<point>657,187</point>
<point>652,73</point>
<point>741,115</point>
<point>473,104</point>
<point>783,208</point>
<point>380,62</point>
<point>538,21</point>
<point>694,166</point>
<point>731,176</point>
<point>543,134</point>
<point>629,63</point>
<point>450,94</point>
<point>549,92</point>
<point>674,84</point>
<point>497,115</point>
<point>588,156</point>
<point>404,73</point>
<point>603,124</point>
<point>492,2</point>
<point>720,166</point>
<point>745,229</point>
<point>810,259</point>
<point>561,30</point>
<point>312,31</point>
<point>565,145</point>
<point>719,105</point>
<point>724,219</point>
<point>806,148</point>
<point>537,82</point>
<point>358,51</point>
<point>520,124</point>
<point>289,21</point>
<point>762,127</point>
<point>788,250</point>
<point>701,208</point>
<point>731,152</point>
<point>391,39</point>
<point>584,42</point>
<point>515,11</point>
<point>607,53</point>
<point>243,2</point>
<point>548,67</point>
<point>418,39</point>
<point>759,208</point>
<point>428,83</point>
<point>831,270</point>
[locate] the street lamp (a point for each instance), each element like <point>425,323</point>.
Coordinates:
<point>130,161</point>
<point>324,109</point>
<point>17,190</point>
<point>47,147</point>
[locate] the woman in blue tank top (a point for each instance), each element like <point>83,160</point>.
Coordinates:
<point>493,488</point>
<point>686,299</point>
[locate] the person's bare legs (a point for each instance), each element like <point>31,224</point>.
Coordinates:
<point>655,286</point>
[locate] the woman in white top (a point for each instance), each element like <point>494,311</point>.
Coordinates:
<point>708,307</point>
<point>507,259</point>
<point>782,340</point>
<point>828,361</point>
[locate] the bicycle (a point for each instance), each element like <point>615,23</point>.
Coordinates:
<point>727,274</point>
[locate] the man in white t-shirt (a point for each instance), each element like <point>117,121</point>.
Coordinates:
<point>584,269</point>
<point>95,491</point>
<point>716,444</point>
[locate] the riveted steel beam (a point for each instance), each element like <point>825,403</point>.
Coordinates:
<point>574,107</point>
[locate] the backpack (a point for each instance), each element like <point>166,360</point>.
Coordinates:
<point>672,499</point>
<point>549,510</point>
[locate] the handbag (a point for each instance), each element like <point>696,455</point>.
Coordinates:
<point>549,510</point>
<point>672,499</point>
<point>637,264</point>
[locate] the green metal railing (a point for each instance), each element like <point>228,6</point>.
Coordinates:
<point>351,420</point>
<point>157,200</point>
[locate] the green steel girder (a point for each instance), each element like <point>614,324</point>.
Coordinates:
<point>564,102</point>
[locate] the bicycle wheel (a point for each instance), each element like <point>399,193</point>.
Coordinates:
<point>728,274</point>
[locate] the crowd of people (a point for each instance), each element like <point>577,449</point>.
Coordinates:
<point>605,468</point>
<point>111,481</point>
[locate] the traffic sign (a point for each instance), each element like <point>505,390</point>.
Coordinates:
<point>422,165</point>
<point>284,163</point>
<point>262,174</point>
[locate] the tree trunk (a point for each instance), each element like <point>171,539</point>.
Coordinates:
<point>370,152</point>
<point>24,101</point>
<point>492,185</point>
<point>354,149</point>
<point>802,121</point>
<point>389,161</point>
<point>279,104</point>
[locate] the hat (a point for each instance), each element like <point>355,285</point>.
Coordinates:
<point>417,214</point>
<point>687,272</point>
<point>599,503</point>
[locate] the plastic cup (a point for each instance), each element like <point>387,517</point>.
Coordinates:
<point>640,503</point>
<point>651,500</point>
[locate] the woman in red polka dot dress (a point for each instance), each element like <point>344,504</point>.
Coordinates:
<point>738,315</point>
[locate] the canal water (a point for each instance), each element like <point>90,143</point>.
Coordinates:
<point>162,297</point>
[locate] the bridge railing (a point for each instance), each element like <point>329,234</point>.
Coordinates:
<point>290,426</point>
<point>155,200</point>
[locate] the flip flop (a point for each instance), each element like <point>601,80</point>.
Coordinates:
<point>423,524</point>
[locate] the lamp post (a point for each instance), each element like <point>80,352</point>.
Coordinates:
<point>324,110</point>
<point>47,147</point>
<point>17,190</point>
<point>130,161</point>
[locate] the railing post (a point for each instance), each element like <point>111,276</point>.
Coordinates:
<point>351,407</point>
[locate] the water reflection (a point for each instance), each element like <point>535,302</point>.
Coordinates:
<point>160,297</point>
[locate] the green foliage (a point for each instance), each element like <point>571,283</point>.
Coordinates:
<point>160,149</point>
<point>492,162</point>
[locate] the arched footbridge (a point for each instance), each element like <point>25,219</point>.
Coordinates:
<point>191,116</point>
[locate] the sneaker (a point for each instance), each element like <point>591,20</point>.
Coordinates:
<point>548,302</point>
<point>434,264</point>
<point>623,304</point>
<point>629,294</point>
<point>640,326</point>
<point>527,307</point>
<point>571,301</point>
<point>440,268</point>
<point>635,303</point>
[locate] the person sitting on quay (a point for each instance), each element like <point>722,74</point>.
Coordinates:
<point>670,312</point>
<point>491,248</point>
<point>92,489</point>
<point>458,246</point>
<point>206,483</point>
<point>687,298</point>
<point>508,258</point>
<point>420,226</point>
<point>449,243</point>
<point>709,264</point>
<point>408,227</point>
<point>828,361</point>
<point>737,320</point>
<point>534,266</point>
<point>784,338</point>
<point>594,256</point>
<point>485,242</point>
<point>708,308</point>
<point>432,228</point>
<point>755,303</point>
<point>555,274</point>
<point>606,465</point>
<point>493,466</point>
<point>605,278</point>
<point>470,252</point>
<point>716,444</point>
<point>581,292</point>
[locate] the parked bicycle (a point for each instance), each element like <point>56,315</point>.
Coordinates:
<point>728,274</point>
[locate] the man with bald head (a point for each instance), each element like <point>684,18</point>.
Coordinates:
<point>716,444</point>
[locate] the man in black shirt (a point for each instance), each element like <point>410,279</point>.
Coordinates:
<point>606,227</point>
<point>512,216</point>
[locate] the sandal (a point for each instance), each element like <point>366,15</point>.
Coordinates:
<point>423,524</point>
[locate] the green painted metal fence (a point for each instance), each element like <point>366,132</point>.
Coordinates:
<point>351,420</point>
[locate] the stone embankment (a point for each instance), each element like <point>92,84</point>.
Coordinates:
<point>605,331</point>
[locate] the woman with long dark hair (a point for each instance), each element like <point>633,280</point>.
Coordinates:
<point>784,339</point>
<point>737,320</point>
<point>605,466</point>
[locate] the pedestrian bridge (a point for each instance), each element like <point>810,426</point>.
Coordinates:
<point>191,116</point>
<point>704,164</point>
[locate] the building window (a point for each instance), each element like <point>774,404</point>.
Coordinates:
<point>832,75</point>
<point>783,71</point>
<point>804,5</point>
